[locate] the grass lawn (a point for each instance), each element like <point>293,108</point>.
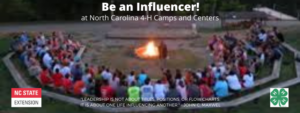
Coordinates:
<point>54,106</point>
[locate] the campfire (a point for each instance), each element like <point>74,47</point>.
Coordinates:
<point>148,51</point>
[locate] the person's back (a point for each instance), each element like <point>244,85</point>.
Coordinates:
<point>67,83</point>
<point>114,82</point>
<point>248,80</point>
<point>134,93</point>
<point>106,74</point>
<point>45,79</point>
<point>147,92</point>
<point>173,97</point>
<point>78,87</point>
<point>121,91</point>
<point>141,78</point>
<point>205,90</point>
<point>221,88</point>
<point>233,82</point>
<point>193,91</point>
<point>181,88</point>
<point>57,78</point>
<point>159,91</point>
<point>107,91</point>
<point>130,78</point>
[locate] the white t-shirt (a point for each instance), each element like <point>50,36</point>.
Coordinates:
<point>65,70</point>
<point>199,75</point>
<point>214,69</point>
<point>106,75</point>
<point>47,60</point>
<point>249,80</point>
<point>114,83</point>
<point>182,91</point>
<point>130,79</point>
<point>159,91</point>
<point>233,82</point>
<point>222,69</point>
<point>56,66</point>
<point>262,37</point>
<point>147,93</point>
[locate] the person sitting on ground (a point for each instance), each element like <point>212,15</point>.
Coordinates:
<point>107,91</point>
<point>178,77</point>
<point>134,93</point>
<point>76,72</point>
<point>205,90</point>
<point>99,72</point>
<point>159,91</point>
<point>242,69</point>
<point>221,88</point>
<point>167,78</point>
<point>181,88</point>
<point>193,90</point>
<point>79,87</point>
<point>121,91</point>
<point>35,69</point>
<point>85,78</point>
<point>217,74</point>
<point>142,77</point>
<point>67,83</point>
<point>47,60</point>
<point>114,81</point>
<point>248,80</point>
<point>147,91</point>
<point>262,36</point>
<point>57,78</point>
<point>173,97</point>
<point>44,77</point>
<point>199,74</point>
<point>65,69</point>
<point>106,74</point>
<point>56,66</point>
<point>188,77</point>
<point>131,78</point>
<point>90,86</point>
<point>233,82</point>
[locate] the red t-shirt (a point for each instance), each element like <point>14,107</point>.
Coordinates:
<point>188,78</point>
<point>106,91</point>
<point>78,86</point>
<point>206,92</point>
<point>91,71</point>
<point>45,79</point>
<point>67,84</point>
<point>242,70</point>
<point>57,78</point>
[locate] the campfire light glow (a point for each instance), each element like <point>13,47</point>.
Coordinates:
<point>149,51</point>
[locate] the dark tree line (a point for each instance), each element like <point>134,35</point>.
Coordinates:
<point>57,10</point>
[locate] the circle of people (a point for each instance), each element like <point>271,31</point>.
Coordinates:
<point>54,63</point>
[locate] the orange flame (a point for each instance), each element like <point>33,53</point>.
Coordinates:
<point>150,50</point>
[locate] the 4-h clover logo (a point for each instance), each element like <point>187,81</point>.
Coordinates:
<point>279,97</point>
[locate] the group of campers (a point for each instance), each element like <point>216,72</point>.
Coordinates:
<point>53,61</point>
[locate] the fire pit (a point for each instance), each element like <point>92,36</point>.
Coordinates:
<point>148,51</point>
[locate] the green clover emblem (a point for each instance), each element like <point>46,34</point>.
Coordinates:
<point>279,97</point>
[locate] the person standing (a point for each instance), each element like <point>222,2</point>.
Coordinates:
<point>163,50</point>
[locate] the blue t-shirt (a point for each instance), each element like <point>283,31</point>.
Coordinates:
<point>217,75</point>
<point>221,88</point>
<point>24,38</point>
<point>142,79</point>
